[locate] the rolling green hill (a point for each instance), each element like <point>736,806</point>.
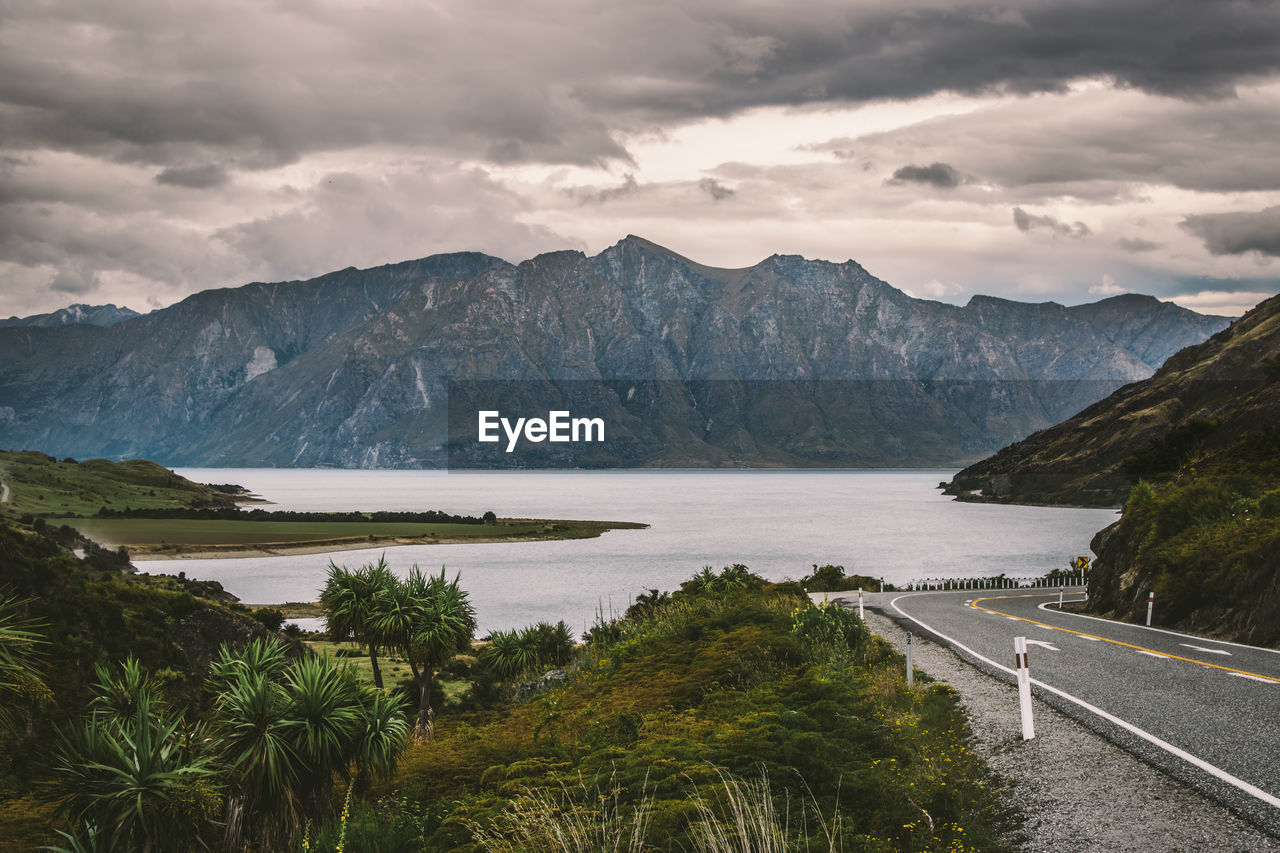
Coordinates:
<point>41,485</point>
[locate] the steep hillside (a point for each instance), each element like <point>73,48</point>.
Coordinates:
<point>1200,402</point>
<point>1201,527</point>
<point>788,362</point>
<point>1205,539</point>
<point>95,610</point>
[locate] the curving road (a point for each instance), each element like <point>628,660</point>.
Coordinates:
<point>1205,711</point>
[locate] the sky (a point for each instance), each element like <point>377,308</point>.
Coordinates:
<point>1060,150</point>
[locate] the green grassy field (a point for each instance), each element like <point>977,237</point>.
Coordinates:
<point>394,669</point>
<point>39,484</point>
<point>178,531</point>
<point>158,536</point>
<point>71,493</point>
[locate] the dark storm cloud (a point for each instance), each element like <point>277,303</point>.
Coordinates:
<point>715,189</point>
<point>1028,222</point>
<point>1237,233</point>
<point>195,177</point>
<point>75,280</point>
<point>943,176</point>
<point>251,85</point>
<point>1097,145</point>
<point>1188,284</point>
<point>628,187</point>
<point>1226,296</point>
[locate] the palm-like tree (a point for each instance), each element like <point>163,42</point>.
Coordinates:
<point>287,728</point>
<point>279,734</point>
<point>736,578</point>
<point>137,777</point>
<point>20,652</point>
<point>706,581</point>
<point>348,600</point>
<point>506,654</point>
<point>429,619</point>
<point>254,743</point>
<point>509,653</point>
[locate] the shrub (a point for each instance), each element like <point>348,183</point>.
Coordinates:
<point>829,625</point>
<point>824,578</point>
<point>271,618</point>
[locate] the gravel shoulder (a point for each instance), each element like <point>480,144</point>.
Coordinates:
<point>1077,790</point>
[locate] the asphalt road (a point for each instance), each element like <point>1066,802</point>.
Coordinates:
<point>1205,711</point>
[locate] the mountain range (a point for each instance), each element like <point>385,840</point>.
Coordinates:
<point>93,315</point>
<point>787,362</point>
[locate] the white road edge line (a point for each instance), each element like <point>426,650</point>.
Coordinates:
<point>1045,607</point>
<point>1210,651</point>
<point>1252,677</point>
<point>1216,772</point>
<point>1152,654</point>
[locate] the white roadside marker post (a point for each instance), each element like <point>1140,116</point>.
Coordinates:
<point>911,675</point>
<point>1062,590</point>
<point>1024,687</point>
<point>861,614</point>
<point>1151,603</point>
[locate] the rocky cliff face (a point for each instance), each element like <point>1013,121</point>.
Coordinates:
<point>790,361</point>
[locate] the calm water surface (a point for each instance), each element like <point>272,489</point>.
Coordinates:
<point>891,524</point>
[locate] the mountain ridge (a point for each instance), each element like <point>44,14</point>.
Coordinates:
<point>92,315</point>
<point>351,368</point>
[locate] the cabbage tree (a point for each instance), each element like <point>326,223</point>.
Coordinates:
<point>428,619</point>
<point>348,600</point>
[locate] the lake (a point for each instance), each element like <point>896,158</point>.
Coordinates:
<point>886,523</point>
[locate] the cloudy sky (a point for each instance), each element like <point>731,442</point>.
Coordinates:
<point>1062,149</point>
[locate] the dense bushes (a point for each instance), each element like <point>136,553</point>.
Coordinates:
<point>91,617</point>
<point>830,578</point>
<point>729,706</point>
<point>510,653</point>
<point>666,713</point>
<point>1206,541</point>
<point>247,775</point>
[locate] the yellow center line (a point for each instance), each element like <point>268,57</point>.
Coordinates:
<point>974,604</point>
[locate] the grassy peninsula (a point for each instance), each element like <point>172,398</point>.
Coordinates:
<point>156,514</point>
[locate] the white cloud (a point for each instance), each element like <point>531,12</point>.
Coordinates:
<point>1108,287</point>
<point>937,290</point>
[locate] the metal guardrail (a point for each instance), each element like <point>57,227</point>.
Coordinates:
<point>1000,582</point>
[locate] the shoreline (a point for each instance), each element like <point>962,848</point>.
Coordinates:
<point>149,552</point>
